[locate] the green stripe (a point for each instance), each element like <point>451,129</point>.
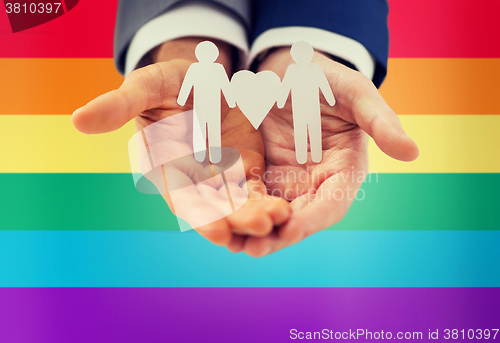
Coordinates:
<point>110,202</point>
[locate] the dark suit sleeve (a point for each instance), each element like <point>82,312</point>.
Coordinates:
<point>362,20</point>
<point>133,14</point>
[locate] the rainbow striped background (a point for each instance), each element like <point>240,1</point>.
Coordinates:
<point>84,257</point>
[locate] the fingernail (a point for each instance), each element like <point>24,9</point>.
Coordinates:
<point>75,112</point>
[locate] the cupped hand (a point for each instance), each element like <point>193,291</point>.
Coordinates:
<point>321,193</point>
<point>149,95</point>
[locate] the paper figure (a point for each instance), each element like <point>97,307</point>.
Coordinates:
<point>255,94</point>
<point>304,80</point>
<point>207,80</point>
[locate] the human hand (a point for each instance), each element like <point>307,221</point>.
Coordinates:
<point>150,94</point>
<point>320,194</point>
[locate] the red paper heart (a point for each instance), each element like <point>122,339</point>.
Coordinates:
<point>25,15</point>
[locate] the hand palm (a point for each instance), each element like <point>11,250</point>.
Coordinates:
<point>344,149</point>
<point>236,131</point>
<point>146,96</point>
<point>321,193</point>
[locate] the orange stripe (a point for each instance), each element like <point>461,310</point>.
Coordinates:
<point>443,86</point>
<point>413,86</point>
<point>53,86</point>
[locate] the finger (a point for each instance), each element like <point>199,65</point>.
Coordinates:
<point>246,220</point>
<point>358,96</point>
<point>191,206</point>
<point>301,201</point>
<point>320,210</point>
<point>301,225</point>
<point>250,220</point>
<point>377,119</point>
<point>141,90</point>
<point>237,243</point>
<point>263,246</point>
<point>251,166</point>
<point>237,191</point>
<point>386,130</point>
<point>277,208</point>
<point>316,216</point>
<point>312,212</point>
<point>238,195</point>
<point>217,232</point>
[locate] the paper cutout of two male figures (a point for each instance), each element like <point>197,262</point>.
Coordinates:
<point>303,80</point>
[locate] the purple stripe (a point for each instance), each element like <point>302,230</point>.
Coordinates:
<point>236,314</point>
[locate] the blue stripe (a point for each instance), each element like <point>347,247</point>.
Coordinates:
<point>174,259</point>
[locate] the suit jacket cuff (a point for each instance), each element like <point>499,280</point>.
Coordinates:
<point>329,42</point>
<point>196,18</point>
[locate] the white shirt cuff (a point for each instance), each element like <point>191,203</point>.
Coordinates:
<point>321,40</point>
<point>191,18</point>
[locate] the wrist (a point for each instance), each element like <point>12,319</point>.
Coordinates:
<point>274,59</point>
<point>183,48</point>
<point>278,60</point>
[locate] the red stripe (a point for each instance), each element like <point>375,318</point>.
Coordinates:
<point>85,31</point>
<point>444,28</point>
<point>419,28</point>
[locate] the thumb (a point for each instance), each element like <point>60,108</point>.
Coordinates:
<point>141,90</point>
<point>377,119</point>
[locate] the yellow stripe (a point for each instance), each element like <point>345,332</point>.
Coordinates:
<point>50,144</point>
<point>413,85</point>
<point>448,144</point>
